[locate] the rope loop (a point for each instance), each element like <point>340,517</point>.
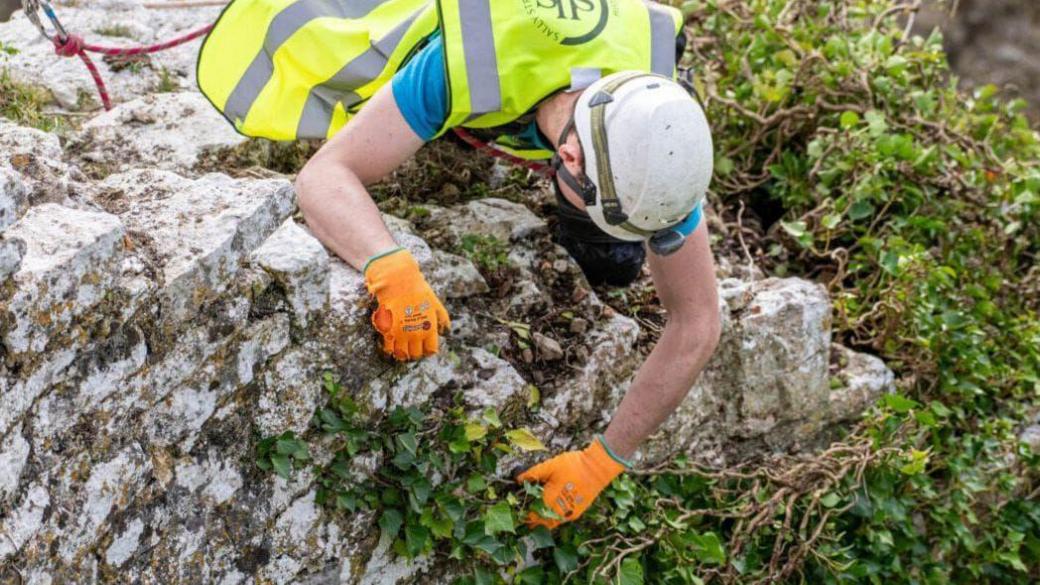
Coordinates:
<point>71,46</point>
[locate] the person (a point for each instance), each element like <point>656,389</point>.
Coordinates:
<point>589,83</point>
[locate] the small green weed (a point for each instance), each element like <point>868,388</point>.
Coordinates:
<point>167,82</point>
<point>24,104</point>
<point>487,252</point>
<point>282,454</point>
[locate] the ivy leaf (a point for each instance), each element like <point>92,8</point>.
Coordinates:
<point>482,576</point>
<point>498,518</point>
<point>631,572</point>
<point>861,209</point>
<point>281,464</point>
<point>452,506</point>
<point>566,558</point>
<point>287,444</point>
<point>830,500</point>
<point>475,484</point>
<point>900,404</point>
<point>419,494</point>
<point>475,431</point>
<point>390,522</point>
<point>403,460</point>
<point>530,576</point>
<point>710,549</point>
<point>409,442</point>
<point>491,418</point>
<point>541,537</point>
<point>525,440</point>
<point>916,465</point>
<point>441,527</point>
<point>504,555</point>
<point>415,536</point>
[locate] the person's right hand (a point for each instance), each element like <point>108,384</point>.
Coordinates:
<point>572,481</point>
<point>410,315</point>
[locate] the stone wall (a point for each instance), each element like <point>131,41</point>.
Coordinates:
<point>156,321</point>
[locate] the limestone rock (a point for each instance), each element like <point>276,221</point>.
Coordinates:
<point>863,378</point>
<point>177,419</point>
<point>783,348</point>
<point>290,393</point>
<point>161,131</point>
<point>483,379</point>
<point>456,277</point>
<point>69,263</point>
<point>14,198</point>
<point>13,455</point>
<point>587,398</point>
<point>23,522</point>
<point>499,218</point>
<point>196,232</point>
<point>300,264</point>
<point>383,568</point>
<point>11,252</point>
<point>31,163</point>
<point>548,348</point>
<point>768,383</point>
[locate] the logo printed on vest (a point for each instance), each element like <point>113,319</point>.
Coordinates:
<point>569,22</point>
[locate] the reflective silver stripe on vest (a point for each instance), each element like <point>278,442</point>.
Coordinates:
<point>662,40</point>
<point>478,46</point>
<point>291,19</point>
<point>322,100</point>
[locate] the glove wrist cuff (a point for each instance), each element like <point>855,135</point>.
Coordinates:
<point>625,463</point>
<point>382,254</point>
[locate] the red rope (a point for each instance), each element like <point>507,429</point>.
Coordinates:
<point>482,146</point>
<point>75,46</point>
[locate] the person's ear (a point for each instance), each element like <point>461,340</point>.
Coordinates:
<point>570,153</point>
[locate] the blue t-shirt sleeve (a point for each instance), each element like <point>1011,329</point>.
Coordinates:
<point>421,89</point>
<point>690,223</point>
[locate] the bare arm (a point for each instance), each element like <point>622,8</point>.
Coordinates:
<point>331,187</point>
<point>685,283</point>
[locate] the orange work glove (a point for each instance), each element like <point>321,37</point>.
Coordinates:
<point>410,315</point>
<point>572,481</point>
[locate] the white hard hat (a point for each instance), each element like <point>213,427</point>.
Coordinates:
<point>648,154</point>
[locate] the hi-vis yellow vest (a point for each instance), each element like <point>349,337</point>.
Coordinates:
<point>288,69</point>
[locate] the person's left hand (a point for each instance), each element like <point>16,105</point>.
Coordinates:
<point>572,481</point>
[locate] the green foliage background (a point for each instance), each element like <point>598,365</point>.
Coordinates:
<point>917,205</point>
